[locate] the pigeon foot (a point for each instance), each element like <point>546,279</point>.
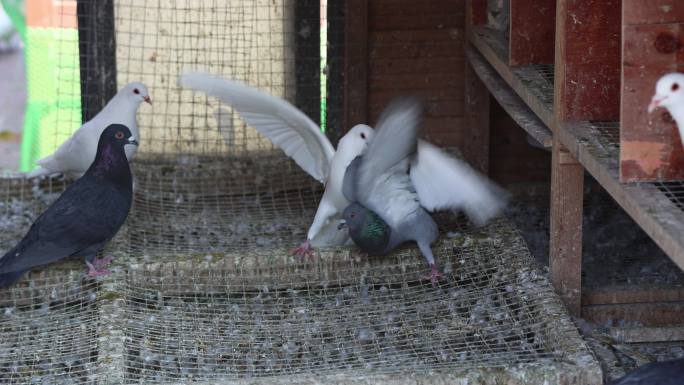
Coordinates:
<point>97,268</point>
<point>103,262</point>
<point>434,275</point>
<point>304,250</point>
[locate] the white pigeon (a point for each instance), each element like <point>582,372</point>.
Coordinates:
<point>302,140</point>
<point>670,94</point>
<point>74,156</point>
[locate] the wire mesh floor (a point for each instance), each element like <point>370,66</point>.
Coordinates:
<point>539,81</point>
<point>237,316</point>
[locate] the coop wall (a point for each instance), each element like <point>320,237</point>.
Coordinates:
<point>418,48</point>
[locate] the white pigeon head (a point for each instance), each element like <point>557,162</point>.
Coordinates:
<point>669,92</point>
<point>136,92</point>
<point>355,141</point>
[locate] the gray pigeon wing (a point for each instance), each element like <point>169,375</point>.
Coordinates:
<point>87,214</point>
<point>382,182</point>
<point>395,139</point>
<point>349,180</point>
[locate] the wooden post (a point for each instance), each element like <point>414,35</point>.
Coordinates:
<point>97,52</point>
<point>652,45</point>
<point>476,118</point>
<point>356,63</point>
<point>565,255</point>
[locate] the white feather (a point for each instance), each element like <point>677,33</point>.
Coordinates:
<point>287,127</point>
<point>76,154</point>
<point>444,182</point>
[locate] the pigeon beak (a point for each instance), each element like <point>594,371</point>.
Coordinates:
<point>148,100</point>
<point>342,225</point>
<point>655,102</point>
<point>132,141</point>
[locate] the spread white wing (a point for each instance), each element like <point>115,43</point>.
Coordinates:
<point>445,182</point>
<point>287,127</point>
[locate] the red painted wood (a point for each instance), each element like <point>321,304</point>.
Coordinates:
<point>478,12</point>
<point>653,45</point>
<point>651,11</point>
<point>589,48</point>
<point>417,48</point>
<point>532,32</point>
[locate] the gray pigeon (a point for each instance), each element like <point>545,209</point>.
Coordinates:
<point>655,373</point>
<point>399,177</point>
<point>84,218</point>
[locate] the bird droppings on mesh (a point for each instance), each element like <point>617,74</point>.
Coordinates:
<point>216,316</point>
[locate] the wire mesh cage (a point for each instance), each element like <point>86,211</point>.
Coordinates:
<point>245,316</point>
<point>204,288</point>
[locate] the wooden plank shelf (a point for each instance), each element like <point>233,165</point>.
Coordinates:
<point>579,114</point>
<point>509,100</point>
<point>532,83</point>
<point>658,208</point>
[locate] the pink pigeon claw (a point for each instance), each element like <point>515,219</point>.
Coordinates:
<point>100,263</point>
<point>96,272</point>
<point>434,275</point>
<point>304,250</point>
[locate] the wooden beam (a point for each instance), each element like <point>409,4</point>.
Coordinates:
<point>652,41</point>
<point>476,121</point>
<point>356,63</point>
<point>648,334</point>
<point>588,59</point>
<point>532,32</point>
<point>509,101</point>
<point>493,47</point>
<point>565,262</point>
<point>627,295</point>
<point>651,314</point>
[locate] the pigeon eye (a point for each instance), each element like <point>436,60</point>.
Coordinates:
<point>119,135</point>
<point>136,91</point>
<point>363,136</point>
<point>675,87</point>
<point>353,215</point>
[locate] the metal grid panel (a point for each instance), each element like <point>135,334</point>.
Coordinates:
<point>608,135</point>
<point>237,316</point>
<point>673,190</point>
<point>538,79</point>
<point>48,333</point>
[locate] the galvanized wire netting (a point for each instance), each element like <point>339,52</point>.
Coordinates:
<point>231,316</point>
